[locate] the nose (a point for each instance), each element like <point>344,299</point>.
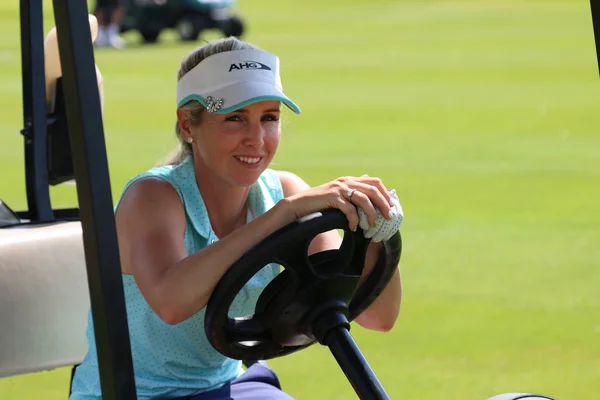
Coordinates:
<point>255,135</point>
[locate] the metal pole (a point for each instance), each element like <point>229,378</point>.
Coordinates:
<point>34,111</point>
<point>595,8</point>
<point>90,163</point>
<point>355,366</point>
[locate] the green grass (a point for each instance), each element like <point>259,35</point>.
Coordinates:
<point>484,115</point>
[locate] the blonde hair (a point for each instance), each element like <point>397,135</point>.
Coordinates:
<point>195,109</point>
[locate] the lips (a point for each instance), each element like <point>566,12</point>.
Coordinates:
<point>248,160</point>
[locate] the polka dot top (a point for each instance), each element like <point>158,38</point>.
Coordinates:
<point>177,360</point>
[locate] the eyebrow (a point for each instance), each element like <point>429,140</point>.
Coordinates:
<point>243,110</point>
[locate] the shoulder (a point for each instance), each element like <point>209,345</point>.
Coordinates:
<point>158,183</point>
<point>291,183</point>
<point>149,185</point>
<point>149,196</point>
<point>150,223</point>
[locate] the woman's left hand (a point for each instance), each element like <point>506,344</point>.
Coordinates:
<point>384,228</point>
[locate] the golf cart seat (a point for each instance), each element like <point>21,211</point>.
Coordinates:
<point>44,297</point>
<point>44,292</point>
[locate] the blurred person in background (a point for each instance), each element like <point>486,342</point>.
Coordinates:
<point>110,15</point>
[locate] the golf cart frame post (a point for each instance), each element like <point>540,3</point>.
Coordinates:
<point>34,112</point>
<point>595,9</point>
<point>86,137</point>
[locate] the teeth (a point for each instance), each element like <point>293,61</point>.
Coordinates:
<point>249,160</point>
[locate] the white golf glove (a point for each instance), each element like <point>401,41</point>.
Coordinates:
<point>384,228</point>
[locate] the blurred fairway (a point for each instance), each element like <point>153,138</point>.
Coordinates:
<point>484,115</point>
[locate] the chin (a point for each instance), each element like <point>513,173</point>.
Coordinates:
<point>247,176</point>
<point>247,179</point>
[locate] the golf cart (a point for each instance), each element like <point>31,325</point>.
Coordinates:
<point>48,256</point>
<point>189,18</point>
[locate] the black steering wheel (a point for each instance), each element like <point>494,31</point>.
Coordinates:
<point>286,318</point>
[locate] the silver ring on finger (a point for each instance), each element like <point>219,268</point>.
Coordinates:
<point>350,193</point>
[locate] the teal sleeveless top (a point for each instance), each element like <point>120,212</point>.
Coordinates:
<point>177,360</point>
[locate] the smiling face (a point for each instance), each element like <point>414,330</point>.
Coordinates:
<point>235,147</point>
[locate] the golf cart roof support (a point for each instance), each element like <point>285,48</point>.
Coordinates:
<point>34,111</point>
<point>86,135</point>
<point>595,7</point>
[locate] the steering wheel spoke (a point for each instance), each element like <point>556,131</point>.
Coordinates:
<point>246,329</point>
<point>276,297</point>
<point>295,257</point>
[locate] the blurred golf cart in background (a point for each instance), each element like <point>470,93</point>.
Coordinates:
<point>189,18</point>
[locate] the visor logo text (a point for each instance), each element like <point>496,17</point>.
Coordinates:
<point>248,65</point>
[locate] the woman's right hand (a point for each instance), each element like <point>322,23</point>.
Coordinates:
<point>345,194</point>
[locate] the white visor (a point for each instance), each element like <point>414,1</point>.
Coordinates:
<point>228,81</point>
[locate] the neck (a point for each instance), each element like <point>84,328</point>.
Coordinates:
<point>225,204</point>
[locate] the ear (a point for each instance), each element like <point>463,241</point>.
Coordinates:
<point>183,119</point>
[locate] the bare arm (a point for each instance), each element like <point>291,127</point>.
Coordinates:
<point>151,226</point>
<point>382,314</point>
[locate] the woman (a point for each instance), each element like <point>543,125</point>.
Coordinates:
<point>180,226</point>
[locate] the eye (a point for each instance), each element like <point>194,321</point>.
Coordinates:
<point>270,117</point>
<point>233,118</point>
